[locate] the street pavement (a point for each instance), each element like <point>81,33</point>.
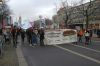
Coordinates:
<point>62,55</point>
<point>95,43</point>
<point>9,57</point>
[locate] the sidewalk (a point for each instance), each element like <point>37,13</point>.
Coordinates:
<point>9,57</point>
<point>21,58</point>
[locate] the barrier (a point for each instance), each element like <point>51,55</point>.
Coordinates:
<point>60,36</point>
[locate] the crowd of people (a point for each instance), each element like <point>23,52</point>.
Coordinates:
<point>85,33</point>
<point>34,36</point>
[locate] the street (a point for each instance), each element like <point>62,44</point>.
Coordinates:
<point>62,55</point>
<point>50,33</point>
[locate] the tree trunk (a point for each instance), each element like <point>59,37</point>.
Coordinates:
<point>87,20</point>
<point>66,21</point>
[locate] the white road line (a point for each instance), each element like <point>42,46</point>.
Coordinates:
<point>21,59</point>
<point>86,48</point>
<point>81,55</point>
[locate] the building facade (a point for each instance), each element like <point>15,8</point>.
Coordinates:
<point>76,18</point>
<point>5,18</point>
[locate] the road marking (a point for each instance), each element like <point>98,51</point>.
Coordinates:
<point>81,55</point>
<point>86,48</point>
<point>21,59</point>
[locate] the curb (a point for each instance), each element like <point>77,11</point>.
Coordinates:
<point>21,58</point>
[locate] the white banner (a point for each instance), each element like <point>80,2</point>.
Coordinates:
<point>53,37</point>
<point>58,36</point>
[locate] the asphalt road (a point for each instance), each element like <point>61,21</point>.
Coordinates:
<point>63,55</point>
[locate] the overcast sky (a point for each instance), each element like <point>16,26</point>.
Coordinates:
<point>31,9</point>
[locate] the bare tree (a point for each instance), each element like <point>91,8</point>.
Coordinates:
<point>48,21</point>
<point>86,10</point>
<point>68,11</point>
<point>66,17</point>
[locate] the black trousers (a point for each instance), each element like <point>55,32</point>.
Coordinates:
<point>80,38</point>
<point>87,40</point>
<point>22,39</point>
<point>30,40</point>
<point>41,42</point>
<point>15,42</point>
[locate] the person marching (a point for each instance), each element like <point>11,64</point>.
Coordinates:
<point>29,36</point>
<point>14,35</point>
<point>41,33</point>
<point>87,37</point>
<point>22,35</point>
<point>91,34</point>
<point>80,35</point>
<point>34,37</point>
